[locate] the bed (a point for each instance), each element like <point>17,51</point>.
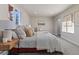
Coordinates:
<point>28,42</point>
<point>41,40</point>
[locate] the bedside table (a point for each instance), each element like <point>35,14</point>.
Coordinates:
<point>8,45</point>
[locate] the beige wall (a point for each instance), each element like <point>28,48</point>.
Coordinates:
<point>47,20</point>
<point>4,14</point>
<point>73,37</point>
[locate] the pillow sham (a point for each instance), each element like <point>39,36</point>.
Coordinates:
<point>14,35</point>
<point>20,32</point>
<point>29,32</point>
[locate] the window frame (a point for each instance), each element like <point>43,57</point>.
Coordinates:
<point>66,20</point>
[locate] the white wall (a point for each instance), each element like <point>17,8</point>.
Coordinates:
<point>47,20</point>
<point>55,26</point>
<point>4,14</point>
<point>73,37</point>
<point>25,18</point>
<point>6,23</point>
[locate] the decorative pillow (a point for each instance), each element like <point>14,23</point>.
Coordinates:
<point>7,35</point>
<point>20,32</point>
<point>14,35</point>
<point>29,32</point>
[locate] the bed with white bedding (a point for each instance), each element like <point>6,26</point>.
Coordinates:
<point>42,40</point>
<point>28,42</point>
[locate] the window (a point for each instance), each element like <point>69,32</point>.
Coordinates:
<point>68,24</point>
<point>17,16</point>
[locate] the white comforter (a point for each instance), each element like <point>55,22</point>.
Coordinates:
<point>42,40</point>
<point>28,42</point>
<point>45,40</point>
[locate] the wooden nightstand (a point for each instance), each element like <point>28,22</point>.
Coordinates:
<point>8,45</point>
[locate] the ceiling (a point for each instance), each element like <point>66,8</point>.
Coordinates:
<point>45,9</point>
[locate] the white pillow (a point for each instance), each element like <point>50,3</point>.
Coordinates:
<point>7,35</point>
<point>21,33</point>
<point>14,35</point>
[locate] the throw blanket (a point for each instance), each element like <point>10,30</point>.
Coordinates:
<point>45,40</point>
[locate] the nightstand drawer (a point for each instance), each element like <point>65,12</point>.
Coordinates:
<point>4,47</point>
